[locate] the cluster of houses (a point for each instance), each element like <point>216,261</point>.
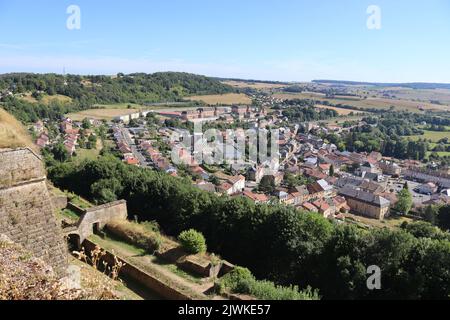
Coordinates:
<point>334,182</point>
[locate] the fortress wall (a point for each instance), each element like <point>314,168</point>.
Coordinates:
<point>27,214</point>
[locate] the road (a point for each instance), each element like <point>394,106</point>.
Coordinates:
<point>136,153</point>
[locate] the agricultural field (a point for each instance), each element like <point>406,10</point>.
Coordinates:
<point>254,85</point>
<point>225,99</point>
<point>369,103</point>
<point>340,111</point>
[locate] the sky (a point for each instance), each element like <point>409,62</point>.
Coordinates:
<point>283,40</point>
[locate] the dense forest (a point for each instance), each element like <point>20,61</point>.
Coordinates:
<point>86,91</point>
<point>278,243</point>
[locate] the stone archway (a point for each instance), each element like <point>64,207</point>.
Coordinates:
<point>73,242</point>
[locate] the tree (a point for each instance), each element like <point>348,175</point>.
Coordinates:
<point>60,152</point>
<point>267,184</point>
<point>86,124</point>
<point>331,171</point>
<point>192,241</point>
<point>443,217</point>
<point>405,202</point>
<point>430,214</point>
<point>92,142</point>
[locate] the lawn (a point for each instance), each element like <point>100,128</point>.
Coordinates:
<point>226,99</point>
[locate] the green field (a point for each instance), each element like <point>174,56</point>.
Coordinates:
<point>434,136</point>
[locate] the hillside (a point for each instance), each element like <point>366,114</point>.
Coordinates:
<point>133,88</point>
<point>12,133</point>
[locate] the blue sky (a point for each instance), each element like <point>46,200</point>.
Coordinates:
<point>290,40</point>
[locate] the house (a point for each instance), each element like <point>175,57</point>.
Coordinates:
<point>309,207</point>
<point>282,196</point>
<point>325,208</point>
<point>256,197</point>
<point>366,168</point>
<point>320,189</point>
<point>365,203</point>
<point>225,188</point>
<point>230,184</point>
<point>341,204</point>
<point>66,125</point>
<point>427,188</point>
<point>390,168</point>
<point>42,141</point>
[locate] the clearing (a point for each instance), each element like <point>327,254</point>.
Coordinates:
<point>46,99</point>
<point>340,111</point>
<point>434,136</point>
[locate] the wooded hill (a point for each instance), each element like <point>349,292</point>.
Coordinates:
<point>132,88</point>
<point>86,91</point>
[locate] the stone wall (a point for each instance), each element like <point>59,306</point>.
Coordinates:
<point>27,214</point>
<point>59,202</point>
<point>134,273</point>
<point>100,216</point>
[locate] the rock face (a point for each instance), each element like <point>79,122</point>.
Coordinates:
<point>27,215</point>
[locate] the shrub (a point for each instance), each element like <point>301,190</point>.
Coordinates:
<point>241,280</point>
<point>236,279</point>
<point>192,241</point>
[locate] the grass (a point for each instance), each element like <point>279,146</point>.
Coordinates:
<point>226,99</point>
<point>340,111</point>
<point>87,154</point>
<point>67,213</point>
<point>392,222</point>
<point>12,133</point>
<point>176,270</point>
<point>79,202</point>
<point>434,136</point>
<point>46,99</point>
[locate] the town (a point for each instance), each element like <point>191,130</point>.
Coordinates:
<point>309,172</point>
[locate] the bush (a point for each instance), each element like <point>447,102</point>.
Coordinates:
<point>241,280</point>
<point>192,241</point>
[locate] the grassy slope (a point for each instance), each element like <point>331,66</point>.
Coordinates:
<point>12,133</point>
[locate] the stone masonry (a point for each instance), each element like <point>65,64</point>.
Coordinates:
<point>27,215</point>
